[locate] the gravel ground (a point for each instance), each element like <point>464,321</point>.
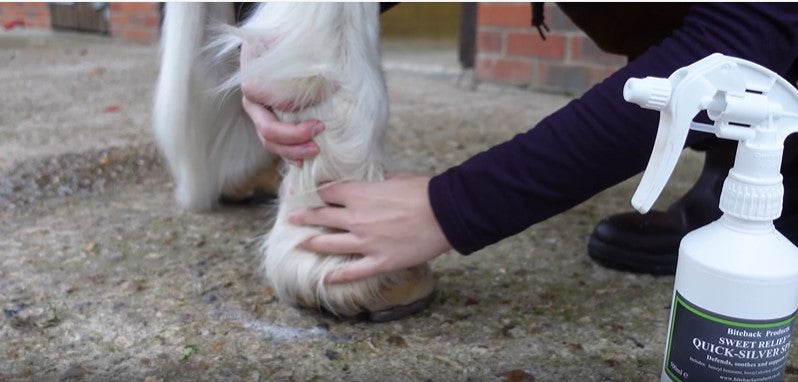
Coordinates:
<point>102,278</point>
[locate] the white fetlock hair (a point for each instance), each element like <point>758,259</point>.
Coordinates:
<point>208,141</point>
<point>326,51</point>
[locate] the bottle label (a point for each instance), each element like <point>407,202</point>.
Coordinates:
<point>705,346</point>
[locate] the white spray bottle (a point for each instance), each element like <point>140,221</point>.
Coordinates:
<point>736,288</point>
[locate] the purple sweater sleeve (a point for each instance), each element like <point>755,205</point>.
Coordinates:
<point>598,140</point>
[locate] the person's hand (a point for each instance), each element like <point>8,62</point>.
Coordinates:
<point>389,223</point>
<point>291,141</point>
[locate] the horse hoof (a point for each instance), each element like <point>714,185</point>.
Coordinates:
<point>402,294</point>
<point>414,293</point>
<point>401,311</point>
<point>259,189</point>
<point>254,198</point>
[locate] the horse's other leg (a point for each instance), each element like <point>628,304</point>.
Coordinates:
<point>208,141</point>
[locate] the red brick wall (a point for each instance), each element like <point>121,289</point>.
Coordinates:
<point>31,15</point>
<point>511,51</point>
<point>137,22</point>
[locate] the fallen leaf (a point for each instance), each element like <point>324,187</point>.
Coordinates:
<point>112,109</point>
<point>332,355</point>
<point>13,23</point>
<point>397,341</point>
<point>135,287</point>
<point>518,375</point>
<point>611,362</point>
<point>74,372</point>
<point>91,247</point>
<point>187,351</point>
<point>217,346</point>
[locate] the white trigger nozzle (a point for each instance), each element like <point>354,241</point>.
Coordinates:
<point>650,92</point>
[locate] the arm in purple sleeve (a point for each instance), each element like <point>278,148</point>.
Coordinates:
<point>598,140</point>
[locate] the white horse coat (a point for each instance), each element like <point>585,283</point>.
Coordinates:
<point>305,51</point>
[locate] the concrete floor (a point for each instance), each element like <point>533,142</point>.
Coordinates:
<point>102,278</point>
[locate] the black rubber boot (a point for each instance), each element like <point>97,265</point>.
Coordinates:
<point>649,243</point>
<point>787,223</point>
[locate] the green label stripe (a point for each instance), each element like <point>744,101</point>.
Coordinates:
<point>672,375</point>
<point>709,317</point>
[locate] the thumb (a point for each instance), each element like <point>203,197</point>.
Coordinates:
<point>360,269</point>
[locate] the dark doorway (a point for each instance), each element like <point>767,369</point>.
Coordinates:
<point>84,17</point>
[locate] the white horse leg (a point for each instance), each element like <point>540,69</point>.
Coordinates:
<point>307,49</point>
<point>208,141</point>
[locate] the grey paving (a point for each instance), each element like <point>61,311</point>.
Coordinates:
<point>102,278</point>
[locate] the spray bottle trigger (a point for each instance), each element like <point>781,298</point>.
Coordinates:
<point>666,152</point>
<point>654,93</point>
<point>674,124</point>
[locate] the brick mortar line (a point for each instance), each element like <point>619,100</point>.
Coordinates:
<point>569,47</point>
<point>587,64</point>
<point>503,56</point>
<point>530,29</point>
